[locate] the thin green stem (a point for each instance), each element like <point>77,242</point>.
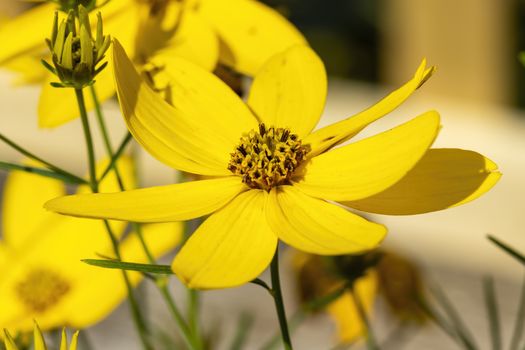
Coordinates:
<point>520,320</point>
<point>134,306</point>
<point>492,312</point>
<point>89,140</point>
<point>135,310</point>
<point>278,300</point>
<point>105,134</point>
<point>40,160</point>
<point>370,337</point>
<point>42,172</point>
<point>193,316</point>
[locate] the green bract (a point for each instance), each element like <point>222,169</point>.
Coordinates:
<point>75,52</point>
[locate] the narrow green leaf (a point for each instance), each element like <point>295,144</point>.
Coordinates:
<point>42,172</point>
<point>48,66</point>
<point>244,326</point>
<point>116,156</point>
<point>511,251</point>
<point>459,326</point>
<point>520,320</point>
<point>521,57</point>
<point>489,294</point>
<point>130,266</point>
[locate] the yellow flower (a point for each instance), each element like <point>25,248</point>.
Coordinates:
<point>240,33</point>
<point>272,176</point>
<point>316,279</point>
<point>42,276</point>
<point>39,342</point>
<point>372,274</point>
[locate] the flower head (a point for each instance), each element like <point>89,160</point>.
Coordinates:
<point>296,175</point>
<point>241,34</point>
<point>75,52</point>
<point>41,275</point>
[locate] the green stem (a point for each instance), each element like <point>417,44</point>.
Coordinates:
<point>520,320</point>
<point>40,160</point>
<point>89,140</point>
<point>370,338</point>
<point>278,299</point>
<point>193,316</point>
<point>137,228</point>
<point>135,310</point>
<point>105,134</point>
<point>137,315</point>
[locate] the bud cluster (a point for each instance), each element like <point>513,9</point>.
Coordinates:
<point>67,5</point>
<point>75,52</point>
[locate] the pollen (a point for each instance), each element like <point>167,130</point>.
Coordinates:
<point>268,157</point>
<point>41,289</point>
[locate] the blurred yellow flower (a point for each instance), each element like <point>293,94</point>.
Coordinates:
<point>272,177</point>
<point>42,276</point>
<point>38,340</point>
<point>242,34</point>
<point>370,275</point>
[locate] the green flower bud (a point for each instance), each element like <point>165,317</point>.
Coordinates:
<point>76,54</point>
<point>68,5</point>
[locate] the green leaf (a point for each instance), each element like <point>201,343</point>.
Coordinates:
<point>130,266</point>
<point>42,172</point>
<point>489,293</point>
<point>116,156</point>
<point>511,251</point>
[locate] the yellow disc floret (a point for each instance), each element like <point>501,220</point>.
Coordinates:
<point>268,157</point>
<point>41,289</point>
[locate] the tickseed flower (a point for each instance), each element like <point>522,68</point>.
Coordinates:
<point>75,52</point>
<point>241,34</point>
<point>39,342</point>
<point>370,275</point>
<point>272,177</point>
<point>41,275</point>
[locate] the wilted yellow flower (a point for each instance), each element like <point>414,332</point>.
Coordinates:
<point>41,275</point>
<point>273,177</point>
<point>38,340</point>
<point>239,33</point>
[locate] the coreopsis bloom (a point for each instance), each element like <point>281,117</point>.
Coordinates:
<point>241,34</point>
<point>39,342</point>
<point>374,274</point>
<point>272,176</point>
<point>42,276</point>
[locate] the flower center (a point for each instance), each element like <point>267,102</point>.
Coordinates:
<point>267,158</point>
<point>41,289</point>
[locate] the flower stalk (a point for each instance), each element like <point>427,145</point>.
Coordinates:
<point>278,300</point>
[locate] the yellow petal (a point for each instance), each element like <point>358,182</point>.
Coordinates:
<point>197,135</point>
<point>329,136</point>
<point>290,90</point>
<point>9,342</point>
<point>370,166</point>
<point>155,204</point>
<point>250,32</point>
<point>443,178</point>
<point>318,227</point>
<point>232,247</point>
<point>23,214</point>
<point>350,325</point>
<point>59,106</point>
<point>63,340</point>
<point>194,40</point>
<point>107,287</point>
<point>74,341</point>
<point>38,338</point>
<point>26,32</point>
<point>29,69</point>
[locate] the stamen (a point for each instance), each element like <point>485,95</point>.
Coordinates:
<point>41,289</point>
<point>267,158</point>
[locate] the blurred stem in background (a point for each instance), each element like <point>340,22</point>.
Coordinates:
<point>135,310</point>
<point>189,334</point>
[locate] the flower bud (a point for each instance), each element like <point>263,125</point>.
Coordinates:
<point>75,52</point>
